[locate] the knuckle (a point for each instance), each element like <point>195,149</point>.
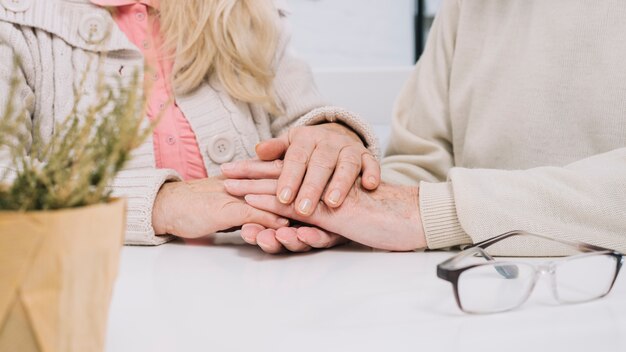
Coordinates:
<point>367,155</point>
<point>325,158</point>
<point>278,164</point>
<point>343,181</point>
<point>351,159</point>
<point>370,160</point>
<point>323,162</point>
<point>245,212</point>
<point>297,154</point>
<point>311,189</point>
<point>348,167</point>
<point>328,145</point>
<point>244,166</point>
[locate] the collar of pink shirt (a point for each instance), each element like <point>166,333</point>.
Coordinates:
<point>117,3</point>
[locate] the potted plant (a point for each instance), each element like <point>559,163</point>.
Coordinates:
<point>60,232</point>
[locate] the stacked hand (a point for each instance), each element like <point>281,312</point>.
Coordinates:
<point>328,164</point>
<point>322,160</point>
<point>387,218</point>
<point>309,164</point>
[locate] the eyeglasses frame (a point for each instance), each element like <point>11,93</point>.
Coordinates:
<point>447,271</point>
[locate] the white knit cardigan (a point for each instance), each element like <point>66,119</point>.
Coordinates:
<point>56,40</point>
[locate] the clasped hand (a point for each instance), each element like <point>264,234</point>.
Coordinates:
<point>302,167</point>
<point>387,217</point>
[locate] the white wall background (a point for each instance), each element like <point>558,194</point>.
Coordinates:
<point>355,33</point>
<point>361,51</point>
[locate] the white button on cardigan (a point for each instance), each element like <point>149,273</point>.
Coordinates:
<point>16,5</point>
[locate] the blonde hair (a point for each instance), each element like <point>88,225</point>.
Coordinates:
<point>233,39</point>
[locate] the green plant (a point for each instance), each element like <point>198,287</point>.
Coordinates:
<point>78,163</point>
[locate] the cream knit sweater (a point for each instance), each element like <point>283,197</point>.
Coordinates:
<point>55,40</point>
<point>515,119</point>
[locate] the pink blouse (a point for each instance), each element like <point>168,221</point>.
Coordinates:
<point>175,145</point>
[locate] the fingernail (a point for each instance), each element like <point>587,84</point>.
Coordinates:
<point>228,166</point>
<point>283,222</point>
<point>371,180</point>
<point>281,238</point>
<point>251,198</point>
<point>305,206</point>
<point>334,196</point>
<point>231,183</point>
<point>311,239</point>
<point>285,195</point>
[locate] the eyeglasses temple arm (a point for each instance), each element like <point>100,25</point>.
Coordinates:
<point>581,246</point>
<point>509,271</point>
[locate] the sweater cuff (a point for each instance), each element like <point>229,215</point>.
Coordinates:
<point>355,122</point>
<point>140,188</point>
<point>438,211</point>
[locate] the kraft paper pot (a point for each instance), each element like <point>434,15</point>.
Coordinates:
<point>57,270</point>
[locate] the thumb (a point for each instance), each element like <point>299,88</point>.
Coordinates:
<point>249,214</point>
<point>272,149</point>
<point>271,204</point>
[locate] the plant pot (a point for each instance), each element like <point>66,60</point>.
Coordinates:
<point>57,270</point>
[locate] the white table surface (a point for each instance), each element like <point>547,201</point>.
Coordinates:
<point>222,295</point>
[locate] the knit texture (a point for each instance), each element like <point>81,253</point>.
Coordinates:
<point>54,56</point>
<point>439,218</point>
<point>518,110</point>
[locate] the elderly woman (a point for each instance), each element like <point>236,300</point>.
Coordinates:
<point>226,66</point>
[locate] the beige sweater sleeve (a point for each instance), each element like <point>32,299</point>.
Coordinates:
<point>583,201</point>
<point>420,147</point>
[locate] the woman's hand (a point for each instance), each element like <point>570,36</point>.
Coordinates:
<point>263,179</point>
<point>292,239</point>
<point>322,160</point>
<point>202,207</point>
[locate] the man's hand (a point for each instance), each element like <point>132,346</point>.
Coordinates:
<point>322,160</point>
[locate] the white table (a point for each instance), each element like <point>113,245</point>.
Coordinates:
<point>221,295</point>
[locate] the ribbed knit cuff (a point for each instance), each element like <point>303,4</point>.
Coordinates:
<point>348,118</point>
<point>438,211</point>
<point>140,188</point>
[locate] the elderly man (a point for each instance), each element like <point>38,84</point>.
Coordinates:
<point>514,119</point>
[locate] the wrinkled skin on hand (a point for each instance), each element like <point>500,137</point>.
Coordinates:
<point>202,207</point>
<point>387,218</point>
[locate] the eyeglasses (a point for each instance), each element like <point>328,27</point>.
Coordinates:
<point>498,286</point>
